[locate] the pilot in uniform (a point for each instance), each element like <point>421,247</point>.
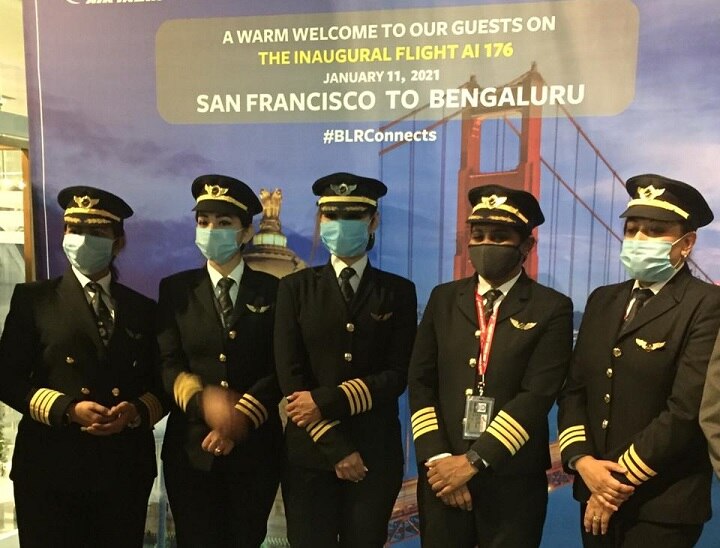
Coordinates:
<point>343,335</point>
<point>491,354</point>
<point>628,415</point>
<point>223,443</point>
<point>78,359</point>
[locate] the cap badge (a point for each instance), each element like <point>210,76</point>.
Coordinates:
<point>493,201</point>
<point>86,202</point>
<point>343,189</point>
<point>649,192</point>
<point>215,190</point>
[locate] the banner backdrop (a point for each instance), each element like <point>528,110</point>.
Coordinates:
<point>566,99</point>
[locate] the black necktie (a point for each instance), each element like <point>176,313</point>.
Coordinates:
<point>345,286</point>
<point>490,298</point>
<point>102,312</point>
<point>640,296</point>
<point>226,305</point>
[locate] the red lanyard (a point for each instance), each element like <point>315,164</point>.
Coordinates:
<point>487,331</point>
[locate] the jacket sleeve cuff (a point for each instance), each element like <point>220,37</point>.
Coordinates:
<point>253,408</point>
<point>49,406</point>
<point>185,388</point>
<point>638,471</point>
<point>150,409</point>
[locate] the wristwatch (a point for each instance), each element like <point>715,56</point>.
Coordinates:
<point>475,460</point>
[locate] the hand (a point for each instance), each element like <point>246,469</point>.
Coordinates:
<point>460,498</point>
<point>597,516</point>
<point>122,415</point>
<point>447,474</point>
<point>217,444</point>
<point>351,468</point>
<point>87,413</point>
<point>597,476</point>
<point>219,412</point>
<point>302,409</point>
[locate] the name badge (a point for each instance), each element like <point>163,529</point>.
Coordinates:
<point>478,413</point>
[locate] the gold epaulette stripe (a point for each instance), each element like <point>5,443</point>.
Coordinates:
<point>154,407</point>
<point>186,385</point>
<point>364,393</point>
<point>41,403</point>
<point>422,414</point>
<point>350,395</point>
<point>511,422</point>
<point>637,470</point>
<point>569,440</point>
<point>501,437</point>
<point>257,403</point>
<point>358,395</point>
<point>572,430</point>
<point>429,425</point>
<point>249,410</point>
<point>318,429</point>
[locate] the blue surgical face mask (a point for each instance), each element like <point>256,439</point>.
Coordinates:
<point>649,260</point>
<point>217,244</point>
<point>345,237</point>
<point>89,254</point>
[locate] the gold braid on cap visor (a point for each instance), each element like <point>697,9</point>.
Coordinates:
<point>504,207</point>
<point>89,211</point>
<point>658,203</point>
<point>346,199</point>
<point>228,199</point>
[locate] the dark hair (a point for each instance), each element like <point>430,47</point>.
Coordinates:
<point>245,220</point>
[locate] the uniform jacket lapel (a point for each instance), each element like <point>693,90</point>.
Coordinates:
<point>249,296</point>
<point>466,299</point>
<point>364,290</point>
<point>668,297</point>
<point>73,297</point>
<point>516,299</point>
<point>203,292</point>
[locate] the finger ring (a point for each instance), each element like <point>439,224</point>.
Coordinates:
<point>218,450</point>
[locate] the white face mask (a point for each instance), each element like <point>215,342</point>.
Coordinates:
<point>649,260</point>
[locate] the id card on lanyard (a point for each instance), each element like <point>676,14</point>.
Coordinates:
<point>479,408</point>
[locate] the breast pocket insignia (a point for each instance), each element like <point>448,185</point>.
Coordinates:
<point>649,346</point>
<point>522,326</point>
<point>381,317</point>
<point>258,309</point>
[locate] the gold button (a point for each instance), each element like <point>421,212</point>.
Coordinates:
<point>616,352</point>
<point>85,391</point>
<point>232,334</point>
<point>609,372</point>
<point>477,334</point>
<point>605,423</point>
<point>222,358</point>
<point>350,327</point>
<point>70,360</point>
<point>115,392</point>
<point>472,362</point>
<point>348,357</point>
<point>224,384</point>
<point>468,391</point>
<point>606,398</point>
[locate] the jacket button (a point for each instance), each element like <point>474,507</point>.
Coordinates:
<point>232,334</point>
<point>348,357</point>
<point>350,327</point>
<point>468,391</point>
<point>472,362</point>
<point>70,360</point>
<point>115,392</point>
<point>616,352</point>
<point>85,391</point>
<point>222,358</point>
<point>605,423</point>
<point>477,334</point>
<point>609,372</point>
<point>606,398</point>
<point>224,384</point>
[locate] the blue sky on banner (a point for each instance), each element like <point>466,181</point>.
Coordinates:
<point>100,125</point>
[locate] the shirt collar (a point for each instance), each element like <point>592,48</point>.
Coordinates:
<point>84,280</point>
<point>484,286</point>
<point>657,286</point>
<point>358,266</point>
<point>235,274</point>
